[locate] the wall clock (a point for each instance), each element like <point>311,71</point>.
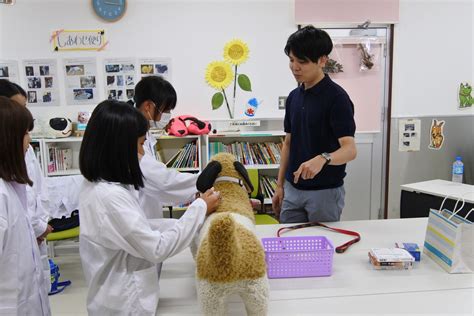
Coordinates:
<point>109,10</point>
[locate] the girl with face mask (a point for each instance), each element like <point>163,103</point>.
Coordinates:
<point>155,98</point>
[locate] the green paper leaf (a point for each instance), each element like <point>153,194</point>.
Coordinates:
<point>217,100</point>
<point>244,82</point>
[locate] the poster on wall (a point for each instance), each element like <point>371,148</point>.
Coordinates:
<point>120,78</point>
<point>155,67</point>
<point>466,100</point>
<point>409,135</point>
<point>80,81</point>
<point>436,134</point>
<point>9,70</point>
<point>78,40</point>
<point>41,82</point>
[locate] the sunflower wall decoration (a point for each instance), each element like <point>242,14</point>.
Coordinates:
<point>219,74</point>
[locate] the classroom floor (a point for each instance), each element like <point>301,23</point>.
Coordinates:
<point>72,301</point>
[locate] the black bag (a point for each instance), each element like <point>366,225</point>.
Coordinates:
<point>65,223</point>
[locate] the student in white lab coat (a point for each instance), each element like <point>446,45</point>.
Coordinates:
<point>119,246</point>
<point>22,291</point>
<point>37,194</point>
<point>155,98</point>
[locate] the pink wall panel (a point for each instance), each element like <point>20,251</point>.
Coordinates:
<point>346,11</point>
<point>364,88</point>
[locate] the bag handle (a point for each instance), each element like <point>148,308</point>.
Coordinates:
<point>444,200</point>
<point>462,205</point>
<point>469,213</point>
<point>340,249</point>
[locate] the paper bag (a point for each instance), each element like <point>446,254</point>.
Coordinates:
<point>449,241</point>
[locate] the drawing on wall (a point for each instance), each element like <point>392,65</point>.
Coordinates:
<point>219,74</point>
<point>465,98</point>
<point>41,82</point>
<point>436,134</point>
<point>120,78</point>
<point>409,135</point>
<point>80,80</point>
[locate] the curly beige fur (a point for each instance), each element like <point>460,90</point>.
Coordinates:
<point>230,258</point>
<point>230,252</point>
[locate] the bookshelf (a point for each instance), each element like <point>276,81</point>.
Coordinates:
<point>61,156</point>
<point>255,150</point>
<point>180,153</point>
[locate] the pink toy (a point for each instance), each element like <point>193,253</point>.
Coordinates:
<point>186,124</point>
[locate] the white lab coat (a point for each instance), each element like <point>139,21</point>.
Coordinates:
<point>120,248</point>
<point>38,208</point>
<point>162,185</point>
<point>22,291</point>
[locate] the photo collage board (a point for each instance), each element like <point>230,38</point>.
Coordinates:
<point>81,78</point>
<point>41,82</point>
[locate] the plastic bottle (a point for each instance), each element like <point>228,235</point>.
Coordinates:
<point>458,170</point>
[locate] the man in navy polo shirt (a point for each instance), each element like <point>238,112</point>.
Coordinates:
<point>319,125</point>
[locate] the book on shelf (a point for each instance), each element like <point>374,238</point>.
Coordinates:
<point>186,157</point>
<point>60,159</point>
<point>264,153</point>
<point>268,185</point>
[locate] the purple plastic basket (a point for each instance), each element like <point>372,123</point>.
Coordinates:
<point>296,257</point>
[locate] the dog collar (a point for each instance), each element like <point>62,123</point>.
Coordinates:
<point>232,179</point>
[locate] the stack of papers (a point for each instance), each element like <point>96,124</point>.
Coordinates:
<point>390,259</point>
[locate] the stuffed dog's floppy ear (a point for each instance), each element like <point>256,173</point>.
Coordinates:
<point>207,177</point>
<point>243,172</point>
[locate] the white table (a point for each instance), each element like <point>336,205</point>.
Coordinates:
<point>354,287</point>
<point>418,198</point>
<point>442,188</point>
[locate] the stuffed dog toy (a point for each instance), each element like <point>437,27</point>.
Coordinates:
<point>186,124</point>
<point>229,256</point>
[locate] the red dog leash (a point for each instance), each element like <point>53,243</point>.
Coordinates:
<point>342,248</point>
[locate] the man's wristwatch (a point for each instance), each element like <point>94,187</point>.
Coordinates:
<point>327,157</point>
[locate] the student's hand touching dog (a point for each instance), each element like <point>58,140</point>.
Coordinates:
<point>212,199</point>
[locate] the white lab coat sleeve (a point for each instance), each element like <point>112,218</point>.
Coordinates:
<point>167,185</point>
<point>162,224</point>
<point>127,228</point>
<point>38,203</point>
<point>3,221</point>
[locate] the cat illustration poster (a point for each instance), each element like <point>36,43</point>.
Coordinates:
<point>436,134</point>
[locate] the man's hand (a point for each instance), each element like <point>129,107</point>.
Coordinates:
<point>277,200</point>
<point>309,169</point>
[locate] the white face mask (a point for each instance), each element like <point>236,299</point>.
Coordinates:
<point>164,120</point>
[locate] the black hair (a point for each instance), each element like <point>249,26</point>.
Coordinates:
<point>15,121</point>
<point>158,90</point>
<point>109,148</point>
<point>309,43</point>
<point>9,89</point>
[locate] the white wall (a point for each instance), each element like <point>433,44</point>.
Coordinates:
<point>192,33</point>
<point>433,54</point>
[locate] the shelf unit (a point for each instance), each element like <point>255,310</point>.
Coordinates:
<point>249,138</point>
<point>48,144</point>
<point>168,147</point>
